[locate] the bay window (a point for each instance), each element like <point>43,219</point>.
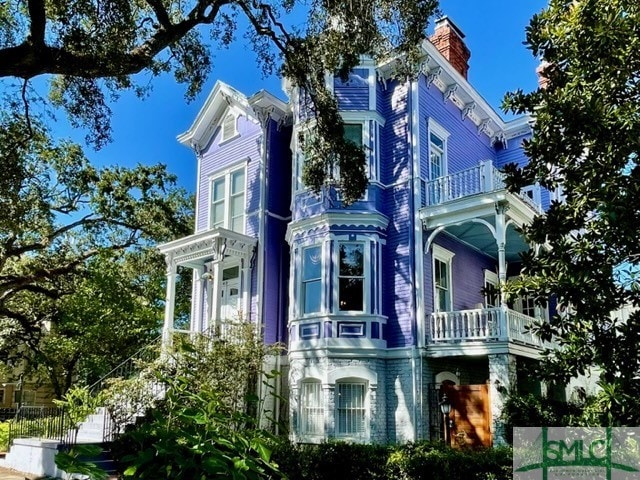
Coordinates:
<point>311,279</point>
<point>351,409</point>
<point>311,409</point>
<point>351,276</point>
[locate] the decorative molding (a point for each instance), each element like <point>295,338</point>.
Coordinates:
<point>483,126</point>
<point>432,75</point>
<point>500,138</point>
<point>450,92</point>
<point>263,114</point>
<point>468,109</point>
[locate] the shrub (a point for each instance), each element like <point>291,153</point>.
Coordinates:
<point>413,461</point>
<point>4,436</point>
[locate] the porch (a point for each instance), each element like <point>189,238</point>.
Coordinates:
<point>481,326</point>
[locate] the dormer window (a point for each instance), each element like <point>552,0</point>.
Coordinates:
<point>229,129</point>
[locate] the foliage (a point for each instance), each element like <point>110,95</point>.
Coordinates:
<point>200,421</point>
<point>94,49</point>
<point>4,436</point>
<point>77,461</point>
<point>413,461</point>
<point>78,403</point>
<point>585,142</point>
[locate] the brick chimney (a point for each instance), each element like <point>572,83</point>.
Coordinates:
<point>448,39</point>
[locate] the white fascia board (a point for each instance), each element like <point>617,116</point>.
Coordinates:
<point>342,219</point>
<point>221,97</point>
<point>264,99</point>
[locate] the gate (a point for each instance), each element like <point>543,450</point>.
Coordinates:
<point>470,417</point>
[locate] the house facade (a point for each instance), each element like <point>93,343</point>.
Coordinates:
<point>393,301</point>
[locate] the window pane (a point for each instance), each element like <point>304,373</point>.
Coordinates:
<point>217,219</point>
<point>311,409</point>
<point>351,409</point>
<point>353,132</point>
<point>437,141</point>
<point>352,294</point>
<point>351,259</point>
<point>237,182</point>
<point>312,292</point>
<point>311,263</point>
<point>218,190</point>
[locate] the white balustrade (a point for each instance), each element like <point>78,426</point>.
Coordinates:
<point>481,324</point>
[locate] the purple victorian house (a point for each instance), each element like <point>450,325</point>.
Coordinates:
<point>385,306</point>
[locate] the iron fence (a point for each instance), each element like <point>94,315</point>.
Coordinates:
<point>7,414</point>
<point>51,423</point>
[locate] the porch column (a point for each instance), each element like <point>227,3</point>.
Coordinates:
<point>197,322</point>
<point>214,319</point>
<point>502,381</point>
<point>501,239</point>
<point>170,299</point>
<point>246,286</point>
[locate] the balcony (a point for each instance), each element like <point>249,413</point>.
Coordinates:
<point>482,330</point>
<point>482,179</point>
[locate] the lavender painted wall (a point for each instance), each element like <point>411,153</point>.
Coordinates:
<point>353,94</point>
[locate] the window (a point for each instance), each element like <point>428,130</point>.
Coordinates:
<point>229,127</point>
<point>442,279</point>
<point>311,279</point>
<point>353,132</point>
<point>311,409</point>
<point>436,157</point>
<point>228,201</point>
<point>491,293</point>
<point>351,277</point>
<point>28,397</point>
<point>351,409</point>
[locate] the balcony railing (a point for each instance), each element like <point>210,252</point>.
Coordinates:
<point>484,178</point>
<point>481,324</point>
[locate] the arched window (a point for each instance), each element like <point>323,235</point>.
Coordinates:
<point>311,408</point>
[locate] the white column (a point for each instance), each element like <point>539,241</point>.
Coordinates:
<point>197,322</point>
<point>501,238</point>
<point>246,286</point>
<point>214,319</point>
<point>502,378</point>
<point>170,299</point>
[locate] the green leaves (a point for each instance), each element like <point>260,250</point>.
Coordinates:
<point>585,142</point>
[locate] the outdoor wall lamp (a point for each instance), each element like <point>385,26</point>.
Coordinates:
<point>445,408</point>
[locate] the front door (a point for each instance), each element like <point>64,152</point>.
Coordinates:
<point>230,294</point>
<point>470,415</point>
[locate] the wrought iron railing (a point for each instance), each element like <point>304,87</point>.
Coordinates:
<point>42,422</point>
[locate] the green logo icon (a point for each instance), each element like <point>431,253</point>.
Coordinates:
<point>577,451</point>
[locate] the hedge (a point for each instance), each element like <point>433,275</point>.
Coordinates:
<point>413,461</point>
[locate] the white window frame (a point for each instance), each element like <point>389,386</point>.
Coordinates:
<point>533,193</point>
<point>227,202</point>
<point>439,131</point>
<point>225,134</point>
<point>445,256</point>
<point>301,281</point>
<point>311,415</point>
<point>491,278</point>
<point>367,273</point>
<point>365,409</point>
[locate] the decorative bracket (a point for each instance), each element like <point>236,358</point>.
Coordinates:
<point>483,126</point>
<point>500,138</point>
<point>263,114</point>
<point>468,109</point>
<point>450,91</point>
<point>432,75</point>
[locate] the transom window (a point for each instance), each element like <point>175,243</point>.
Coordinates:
<point>351,409</point>
<point>311,409</point>
<point>351,276</point>
<point>311,279</point>
<point>442,259</point>
<point>228,201</point>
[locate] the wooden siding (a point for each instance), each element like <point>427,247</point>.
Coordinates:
<point>354,93</point>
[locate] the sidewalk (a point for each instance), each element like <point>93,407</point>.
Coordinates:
<point>6,474</point>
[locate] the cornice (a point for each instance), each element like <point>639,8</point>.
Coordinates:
<point>335,219</point>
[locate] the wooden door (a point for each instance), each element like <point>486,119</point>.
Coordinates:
<point>470,415</point>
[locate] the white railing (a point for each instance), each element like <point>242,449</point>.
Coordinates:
<point>483,178</point>
<point>481,324</point>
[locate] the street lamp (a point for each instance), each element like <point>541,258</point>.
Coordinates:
<point>445,408</point>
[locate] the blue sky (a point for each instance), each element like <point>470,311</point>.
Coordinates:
<point>145,130</point>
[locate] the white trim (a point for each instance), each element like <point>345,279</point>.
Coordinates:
<point>445,256</point>
<point>446,375</point>
<point>353,372</point>
<point>347,219</point>
<point>226,174</point>
<point>437,130</point>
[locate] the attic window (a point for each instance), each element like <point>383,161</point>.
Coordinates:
<point>229,127</point>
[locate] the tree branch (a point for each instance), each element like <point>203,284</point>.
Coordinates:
<point>38,23</point>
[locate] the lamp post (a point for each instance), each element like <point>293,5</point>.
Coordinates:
<point>20,391</point>
<point>445,408</point>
